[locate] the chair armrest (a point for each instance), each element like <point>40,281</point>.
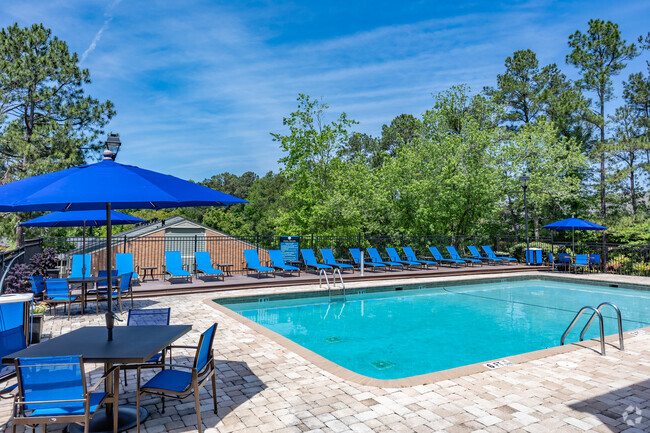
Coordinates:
<point>112,370</point>
<point>181,347</point>
<point>188,367</point>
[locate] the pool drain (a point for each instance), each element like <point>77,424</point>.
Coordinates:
<point>333,340</point>
<point>382,365</point>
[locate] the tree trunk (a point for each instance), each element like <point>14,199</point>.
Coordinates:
<point>536,226</point>
<point>513,220</point>
<point>632,191</point>
<point>603,202</point>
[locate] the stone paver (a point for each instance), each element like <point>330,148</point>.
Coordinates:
<point>263,386</point>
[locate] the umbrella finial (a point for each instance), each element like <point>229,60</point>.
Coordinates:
<point>108,154</point>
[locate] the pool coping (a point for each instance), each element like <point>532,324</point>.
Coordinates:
<point>453,373</point>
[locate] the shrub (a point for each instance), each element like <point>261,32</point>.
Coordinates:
<point>41,262</point>
<point>17,280</point>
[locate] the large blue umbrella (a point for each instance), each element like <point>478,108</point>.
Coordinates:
<point>81,218</point>
<point>105,185</point>
<point>574,224</point>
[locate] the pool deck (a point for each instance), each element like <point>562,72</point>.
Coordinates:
<point>265,387</point>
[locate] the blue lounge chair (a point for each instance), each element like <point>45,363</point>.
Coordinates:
<point>454,255</point>
<point>394,257</point>
<point>147,317</point>
<point>477,255</point>
<point>594,261</point>
<point>277,261</point>
<point>356,256</point>
<point>253,264</point>
<point>328,258</point>
<point>54,389</point>
<point>57,291</point>
<point>410,255</point>
<point>12,339</point>
<point>376,258</point>
<point>582,261</point>
<point>436,255</point>
<point>204,266</point>
<point>309,259</point>
<point>490,254</point>
<point>179,381</point>
<point>124,265</point>
<point>174,267</point>
<point>78,265</point>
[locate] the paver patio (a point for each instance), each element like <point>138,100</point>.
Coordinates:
<point>265,387</point>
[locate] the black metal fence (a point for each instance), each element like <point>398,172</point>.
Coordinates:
<point>150,250</point>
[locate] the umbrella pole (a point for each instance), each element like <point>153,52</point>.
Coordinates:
<point>83,250</point>
<point>109,313</point>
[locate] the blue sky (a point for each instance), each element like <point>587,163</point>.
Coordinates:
<point>199,85</point>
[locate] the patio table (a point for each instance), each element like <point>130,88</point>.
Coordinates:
<point>130,344</point>
<point>144,272</point>
<point>85,281</point>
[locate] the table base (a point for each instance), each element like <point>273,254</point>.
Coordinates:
<point>102,423</point>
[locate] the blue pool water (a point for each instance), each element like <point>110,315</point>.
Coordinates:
<point>396,334</point>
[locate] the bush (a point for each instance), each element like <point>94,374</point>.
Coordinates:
<point>41,262</point>
<point>17,280</point>
<point>518,250</point>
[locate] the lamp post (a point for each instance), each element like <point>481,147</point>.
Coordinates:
<point>523,181</point>
<point>113,144</point>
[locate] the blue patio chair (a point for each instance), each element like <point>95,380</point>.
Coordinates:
<point>582,261</point>
<point>454,255</point>
<point>309,259</point>
<point>53,390</point>
<point>488,252</point>
<point>204,266</point>
<point>147,317</point>
<point>551,261</point>
<point>57,291</point>
<point>103,273</point>
<point>78,265</point>
<point>277,262</point>
<point>124,265</point>
<point>376,258</point>
<point>394,257</point>
<point>477,255</point>
<point>594,261</point>
<point>328,258</point>
<point>438,257</point>
<point>564,260</point>
<point>178,384</point>
<point>11,340</point>
<point>253,264</point>
<point>125,288</point>
<point>410,255</point>
<point>356,256</point>
<point>38,285</point>
<point>174,267</point>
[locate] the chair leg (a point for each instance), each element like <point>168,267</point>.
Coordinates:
<point>214,390</point>
<point>137,403</point>
<point>131,290</point>
<point>198,407</point>
<point>126,383</point>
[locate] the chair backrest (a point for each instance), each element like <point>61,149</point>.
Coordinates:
<point>47,380</point>
<point>56,286</point>
<point>173,261</point>
<point>582,259</point>
<point>12,340</point>
<point>203,260</point>
<point>308,256</point>
<point>276,258</point>
<point>252,258</point>
<point>392,254</point>
<point>204,349</point>
<point>103,273</point>
<point>148,317</point>
<point>410,254</point>
<point>356,255</point>
<point>435,253</point>
<point>328,256</point>
<point>488,251</point>
<point>124,263</point>
<point>374,255</point>
<point>38,284</point>
<point>125,281</point>
<point>78,265</point>
<point>594,258</point>
<point>474,251</point>
<point>550,258</point>
<point>453,253</point>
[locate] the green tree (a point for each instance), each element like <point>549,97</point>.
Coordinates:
<point>45,117</point>
<point>600,54</point>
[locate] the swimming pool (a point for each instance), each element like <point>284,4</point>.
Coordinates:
<point>394,334</point>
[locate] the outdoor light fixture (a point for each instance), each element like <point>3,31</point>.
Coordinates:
<point>113,144</point>
<point>523,181</point>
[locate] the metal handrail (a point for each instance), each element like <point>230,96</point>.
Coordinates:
<point>322,273</point>
<point>602,328</point>
<point>620,323</point>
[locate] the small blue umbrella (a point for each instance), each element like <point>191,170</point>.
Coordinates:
<point>105,185</point>
<point>81,218</point>
<point>574,224</point>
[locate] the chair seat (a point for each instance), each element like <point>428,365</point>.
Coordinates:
<point>70,408</point>
<point>340,265</point>
<point>211,271</point>
<point>288,268</point>
<point>179,273</point>
<point>155,359</point>
<point>60,298</point>
<point>318,266</point>
<point>262,268</point>
<point>170,380</point>
<point>6,370</point>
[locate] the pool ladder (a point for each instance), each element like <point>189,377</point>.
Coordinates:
<point>597,313</point>
<point>322,273</point>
